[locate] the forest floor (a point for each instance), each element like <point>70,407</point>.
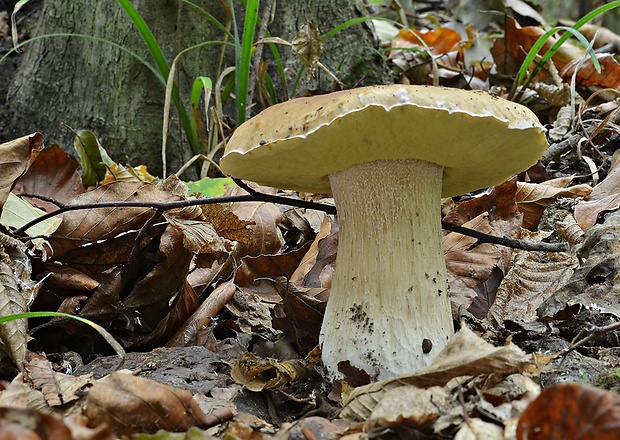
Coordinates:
<point>219,306</point>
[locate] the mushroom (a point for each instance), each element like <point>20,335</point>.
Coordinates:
<point>388,154</point>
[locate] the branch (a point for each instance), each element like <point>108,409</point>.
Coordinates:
<point>504,241</point>
<point>256,196</point>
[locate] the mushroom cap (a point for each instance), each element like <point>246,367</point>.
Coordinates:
<point>479,139</point>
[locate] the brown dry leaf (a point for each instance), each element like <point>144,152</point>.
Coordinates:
<point>193,331</point>
<point>28,424</point>
<point>90,225</point>
<point>609,76</point>
<point>533,277</point>
<point>604,197</point>
<point>474,274</point>
<point>53,173</point>
<point>569,230</point>
<point>604,36</point>
<point>510,52</point>
<point>594,283</point>
<point>228,225</point>
<point>256,275</point>
<point>266,238</point>
<point>119,173</point>
<point>533,198</point>
<point>465,355</point>
<point>15,157</point>
<point>258,374</point>
<point>408,405</point>
<point>58,389</point>
<point>440,40</point>
<point>14,300</point>
<point>129,404</point>
<point>199,237</point>
<point>300,314</point>
<point>478,429</point>
<point>317,267</point>
<point>19,394</point>
<point>97,259</point>
<point>571,411</point>
<point>67,278</point>
<point>184,304</point>
<point>313,427</point>
<point>136,299</point>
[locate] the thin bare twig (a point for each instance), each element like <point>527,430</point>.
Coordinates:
<point>256,196</point>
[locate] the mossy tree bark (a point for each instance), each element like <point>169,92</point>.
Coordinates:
<point>95,86</point>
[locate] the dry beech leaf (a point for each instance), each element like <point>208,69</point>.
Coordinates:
<point>608,77</point>
<point>317,267</point>
<point>15,157</point>
<point>67,278</point>
<point>471,271</point>
<point>570,231</point>
<point>184,304</point>
<point>595,282</point>
<point>604,197</point>
<point>256,274</point>
<point>440,40</point>
<point>53,173</point>
<point>88,225</point>
<point>57,388</point>
<point>531,280</point>
<point>147,298</point>
<point>533,198</point>
<point>14,334</point>
<point>129,404</point>
<point>266,238</point>
<point>258,374</point>
<point>28,424</point>
<point>571,411</point>
<point>465,355</point>
<point>202,318</point>
<point>19,394</point>
<point>199,236</point>
<point>478,429</point>
<point>408,405</point>
<point>510,52</point>
<point>227,224</point>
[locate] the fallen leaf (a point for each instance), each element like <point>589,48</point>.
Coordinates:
<point>130,404</point>
<point>604,197</point>
<point>258,374</point>
<point>466,354</point>
<point>408,405</point>
<point>16,156</point>
<point>571,411</point>
<point>54,174</point>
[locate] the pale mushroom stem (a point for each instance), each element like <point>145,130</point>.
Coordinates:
<point>388,312</point>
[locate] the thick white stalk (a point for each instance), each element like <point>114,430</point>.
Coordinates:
<point>388,312</point>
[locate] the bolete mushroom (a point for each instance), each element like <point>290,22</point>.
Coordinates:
<point>388,154</point>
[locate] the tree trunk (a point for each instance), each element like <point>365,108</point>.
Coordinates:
<point>92,85</point>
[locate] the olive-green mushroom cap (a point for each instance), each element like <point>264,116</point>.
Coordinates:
<point>479,139</point>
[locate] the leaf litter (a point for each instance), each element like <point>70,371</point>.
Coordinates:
<point>221,305</point>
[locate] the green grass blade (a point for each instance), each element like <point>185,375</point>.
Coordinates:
<point>244,59</point>
<point>89,37</point>
<point>355,21</point>
<point>162,65</point>
<point>547,56</point>
<point>103,332</point>
<point>211,18</point>
<point>147,36</point>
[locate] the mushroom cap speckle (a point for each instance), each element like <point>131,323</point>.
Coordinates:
<point>479,139</point>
